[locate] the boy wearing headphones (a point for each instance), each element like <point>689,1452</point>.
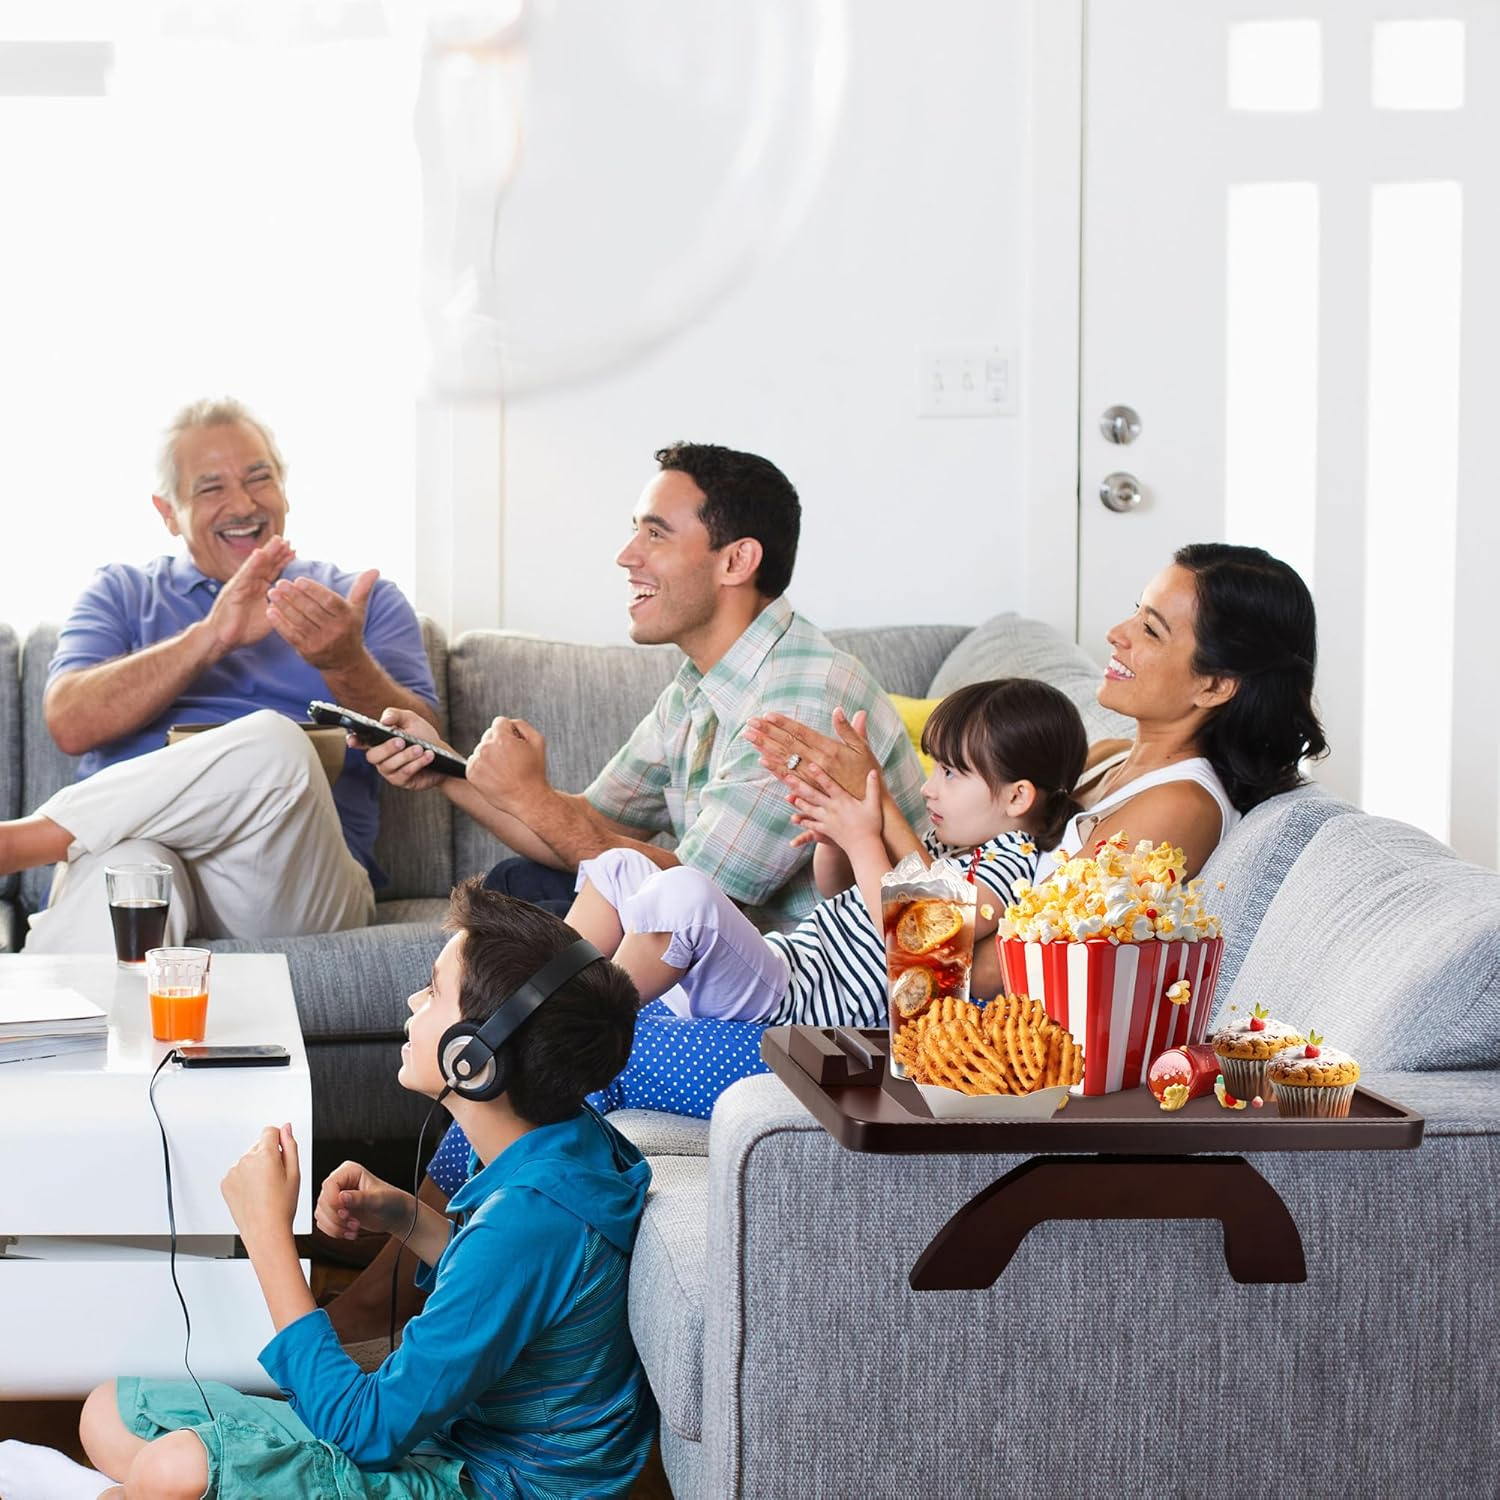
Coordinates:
<point>519,1376</point>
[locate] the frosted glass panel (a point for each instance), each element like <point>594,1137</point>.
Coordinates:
<point>1271,384</point>
<point>1415,295</point>
<point>1418,65</point>
<point>1276,65</point>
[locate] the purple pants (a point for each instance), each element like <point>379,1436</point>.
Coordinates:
<point>732,972</point>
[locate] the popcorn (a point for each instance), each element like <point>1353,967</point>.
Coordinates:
<point>1117,895</point>
<point>1181,992</point>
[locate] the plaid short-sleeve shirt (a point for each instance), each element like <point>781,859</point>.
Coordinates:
<point>688,769</point>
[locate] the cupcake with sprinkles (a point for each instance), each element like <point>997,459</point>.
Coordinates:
<point>1246,1046</point>
<point>1313,1080</point>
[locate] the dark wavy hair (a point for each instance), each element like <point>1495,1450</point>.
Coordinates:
<point>743,495</point>
<point>575,1043</point>
<point>1014,729</point>
<point>1256,624</point>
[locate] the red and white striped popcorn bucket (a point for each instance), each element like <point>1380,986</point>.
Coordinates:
<point>1113,998</point>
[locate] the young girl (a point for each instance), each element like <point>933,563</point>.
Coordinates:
<point>1008,753</point>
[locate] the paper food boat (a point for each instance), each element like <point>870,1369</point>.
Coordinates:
<point>953,1104</point>
<point>1113,998</point>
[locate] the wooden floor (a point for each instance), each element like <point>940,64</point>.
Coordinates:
<point>55,1423</point>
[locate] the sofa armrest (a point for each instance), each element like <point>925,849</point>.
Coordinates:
<point>1110,1354</point>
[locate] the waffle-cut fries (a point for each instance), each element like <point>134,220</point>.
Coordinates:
<point>1022,1037</point>
<point>1010,1046</point>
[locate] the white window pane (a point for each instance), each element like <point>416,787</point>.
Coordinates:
<point>1271,384</point>
<point>1276,65</point>
<point>271,256</point>
<point>1412,496</point>
<point>1418,65</point>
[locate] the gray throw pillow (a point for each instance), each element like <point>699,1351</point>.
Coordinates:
<point>1387,943</point>
<point>1253,861</point>
<point>1010,645</point>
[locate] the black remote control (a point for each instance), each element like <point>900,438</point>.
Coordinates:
<point>370,731</point>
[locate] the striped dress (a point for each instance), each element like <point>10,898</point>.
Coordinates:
<point>836,957</point>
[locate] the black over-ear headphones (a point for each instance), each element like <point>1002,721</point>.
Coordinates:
<point>469,1056</point>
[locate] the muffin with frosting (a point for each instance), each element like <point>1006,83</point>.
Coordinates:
<point>1313,1080</point>
<point>1247,1046</point>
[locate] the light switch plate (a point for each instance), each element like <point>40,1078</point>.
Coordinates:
<point>967,380</point>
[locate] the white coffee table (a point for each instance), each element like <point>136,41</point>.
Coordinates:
<point>85,1290</point>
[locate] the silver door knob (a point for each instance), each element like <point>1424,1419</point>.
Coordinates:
<point>1120,424</point>
<point>1120,492</point>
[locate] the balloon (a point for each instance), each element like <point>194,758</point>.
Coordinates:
<point>598,174</point>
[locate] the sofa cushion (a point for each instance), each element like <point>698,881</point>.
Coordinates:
<point>415,845</point>
<point>1010,645</point>
<point>659,1134</point>
<point>585,699</point>
<point>901,659</point>
<point>352,985</point>
<point>667,1275</point>
<point>10,740</point>
<point>1253,861</point>
<point>426,911</point>
<point>1388,943</point>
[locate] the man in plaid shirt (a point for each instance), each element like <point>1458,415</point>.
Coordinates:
<point>711,554</point>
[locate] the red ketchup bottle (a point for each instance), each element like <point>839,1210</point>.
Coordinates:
<point>1196,1066</point>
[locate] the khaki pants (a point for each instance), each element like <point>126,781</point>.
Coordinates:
<point>244,816</point>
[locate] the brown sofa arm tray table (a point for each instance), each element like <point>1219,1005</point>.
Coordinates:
<point>1143,1162</point>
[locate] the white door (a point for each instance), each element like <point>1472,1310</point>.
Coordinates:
<point>1291,224</point>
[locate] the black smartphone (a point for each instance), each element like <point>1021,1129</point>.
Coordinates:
<point>267,1056</point>
<point>370,731</point>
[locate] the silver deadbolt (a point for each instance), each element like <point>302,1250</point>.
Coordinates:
<point>1120,492</point>
<point>1120,424</point>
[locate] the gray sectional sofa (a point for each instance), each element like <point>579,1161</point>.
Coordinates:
<point>1112,1358</point>
<point>351,987</point>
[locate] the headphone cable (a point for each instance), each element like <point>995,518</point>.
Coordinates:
<point>166,1161</point>
<point>416,1209</point>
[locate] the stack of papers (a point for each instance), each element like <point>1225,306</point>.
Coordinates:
<point>48,1023</point>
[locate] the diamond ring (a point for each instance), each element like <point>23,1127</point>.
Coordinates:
<point>793,761</point>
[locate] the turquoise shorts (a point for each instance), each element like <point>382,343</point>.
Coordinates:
<point>258,1448</point>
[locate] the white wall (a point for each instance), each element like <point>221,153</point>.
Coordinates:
<point>918,237</point>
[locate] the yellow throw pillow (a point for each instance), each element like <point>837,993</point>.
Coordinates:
<point>915,713</point>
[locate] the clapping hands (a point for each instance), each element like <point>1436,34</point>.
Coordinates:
<point>847,759</point>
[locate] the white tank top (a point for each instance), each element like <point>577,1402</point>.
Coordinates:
<point>1197,770</point>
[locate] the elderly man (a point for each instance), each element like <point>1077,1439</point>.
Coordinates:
<point>238,632</point>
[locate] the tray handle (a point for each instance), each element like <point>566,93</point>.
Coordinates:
<point>837,1056</point>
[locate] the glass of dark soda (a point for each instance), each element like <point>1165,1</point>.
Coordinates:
<point>138,899</point>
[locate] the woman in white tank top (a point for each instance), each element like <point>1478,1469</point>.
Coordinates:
<point>1216,668</point>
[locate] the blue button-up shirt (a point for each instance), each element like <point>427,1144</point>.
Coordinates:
<point>126,608</point>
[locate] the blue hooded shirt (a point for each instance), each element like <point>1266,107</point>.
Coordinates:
<point>521,1363</point>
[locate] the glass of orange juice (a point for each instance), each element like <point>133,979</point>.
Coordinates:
<point>177,982</point>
